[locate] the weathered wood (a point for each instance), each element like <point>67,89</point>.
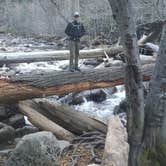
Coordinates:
<point>123,14</point>
<point>116,146</point>
<point>44,123</point>
<point>33,85</point>
<point>37,84</point>
<point>155,108</point>
<point>74,121</point>
<point>21,57</point>
<point>28,57</point>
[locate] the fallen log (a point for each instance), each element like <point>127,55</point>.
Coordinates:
<point>74,121</point>
<point>116,147</point>
<point>40,121</point>
<point>21,57</point>
<point>39,84</point>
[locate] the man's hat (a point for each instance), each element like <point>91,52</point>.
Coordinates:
<point>76,14</point>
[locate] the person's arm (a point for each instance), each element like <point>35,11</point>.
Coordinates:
<point>68,29</point>
<point>82,30</point>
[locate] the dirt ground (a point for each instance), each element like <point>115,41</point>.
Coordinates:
<point>82,157</point>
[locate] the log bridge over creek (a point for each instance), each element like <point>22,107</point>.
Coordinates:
<point>35,84</point>
<point>61,120</point>
<point>38,84</point>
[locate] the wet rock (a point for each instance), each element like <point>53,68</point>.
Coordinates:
<point>77,100</point>
<point>3,49</point>
<point>7,111</point>
<point>98,96</point>
<point>15,121</point>
<point>9,115</point>
<point>3,113</point>
<point>121,108</point>
<point>60,44</point>
<point>92,62</point>
<point>41,148</point>
<point>6,133</point>
<point>41,65</point>
<point>20,132</point>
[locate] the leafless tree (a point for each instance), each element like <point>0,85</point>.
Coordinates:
<point>123,15</point>
<point>146,127</point>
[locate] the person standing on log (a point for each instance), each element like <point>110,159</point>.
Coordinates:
<point>75,30</point>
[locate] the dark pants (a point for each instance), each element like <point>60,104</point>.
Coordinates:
<point>74,54</point>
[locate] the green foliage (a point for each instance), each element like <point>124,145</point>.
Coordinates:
<point>154,157</point>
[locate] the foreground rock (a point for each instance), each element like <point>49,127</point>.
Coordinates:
<point>116,146</point>
<point>7,133</point>
<point>41,148</point>
<point>20,132</point>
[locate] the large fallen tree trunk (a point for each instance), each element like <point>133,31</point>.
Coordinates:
<point>75,121</point>
<point>39,84</point>
<point>21,57</point>
<point>44,123</point>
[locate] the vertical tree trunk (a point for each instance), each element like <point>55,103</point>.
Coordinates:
<point>155,109</point>
<point>123,15</point>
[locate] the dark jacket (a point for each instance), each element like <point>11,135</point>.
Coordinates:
<point>75,30</point>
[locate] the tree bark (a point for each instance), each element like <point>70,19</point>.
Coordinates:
<point>22,57</point>
<point>74,121</point>
<point>37,84</point>
<point>123,15</point>
<point>155,109</point>
<point>43,123</point>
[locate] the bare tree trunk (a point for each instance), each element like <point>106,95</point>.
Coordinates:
<point>155,109</point>
<point>123,14</point>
